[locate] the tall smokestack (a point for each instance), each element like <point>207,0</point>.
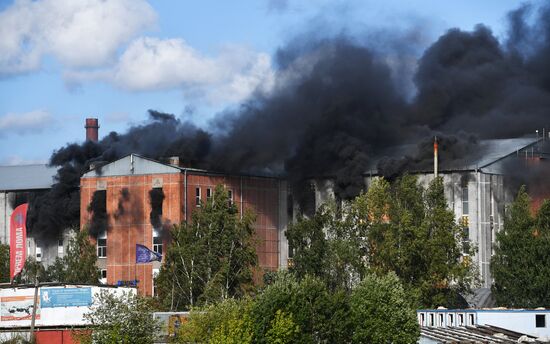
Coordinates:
<point>435,157</point>
<point>92,129</point>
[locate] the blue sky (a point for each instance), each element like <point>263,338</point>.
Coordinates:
<point>63,61</point>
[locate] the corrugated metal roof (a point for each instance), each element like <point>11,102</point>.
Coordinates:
<point>474,334</point>
<point>486,153</point>
<point>26,177</point>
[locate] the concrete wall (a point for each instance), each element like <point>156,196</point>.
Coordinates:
<point>487,199</point>
<point>5,213</point>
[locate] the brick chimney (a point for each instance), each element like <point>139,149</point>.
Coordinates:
<point>92,129</point>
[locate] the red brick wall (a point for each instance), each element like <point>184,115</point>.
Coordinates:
<point>134,227</point>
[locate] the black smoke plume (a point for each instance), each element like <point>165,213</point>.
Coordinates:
<point>123,198</point>
<point>338,109</point>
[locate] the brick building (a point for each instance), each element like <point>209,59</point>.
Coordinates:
<point>125,187</point>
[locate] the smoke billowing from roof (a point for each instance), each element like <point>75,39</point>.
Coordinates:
<point>338,102</point>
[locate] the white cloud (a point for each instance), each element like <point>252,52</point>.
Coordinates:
<point>158,64</point>
<point>18,160</point>
<point>24,123</point>
<point>80,33</point>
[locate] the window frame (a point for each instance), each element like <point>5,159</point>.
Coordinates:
<point>198,192</point>
<point>101,250</point>
<point>159,246</point>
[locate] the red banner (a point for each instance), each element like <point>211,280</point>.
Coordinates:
<point>18,239</point>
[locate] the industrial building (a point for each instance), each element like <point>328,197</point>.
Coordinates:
<point>128,184</point>
<point>475,188</point>
<point>17,184</point>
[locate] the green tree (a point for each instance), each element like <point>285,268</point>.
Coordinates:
<point>329,245</point>
<point>321,316</point>
<point>520,264</point>
<point>382,312</point>
<point>78,265</point>
<point>32,271</point>
<point>125,318</point>
<point>4,263</point>
<point>227,321</point>
<point>283,329</point>
<point>210,258</point>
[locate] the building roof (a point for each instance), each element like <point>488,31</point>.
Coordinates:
<point>26,177</point>
<point>488,152</point>
<point>135,164</point>
<point>473,334</point>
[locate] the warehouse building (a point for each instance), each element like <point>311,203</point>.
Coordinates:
<point>17,185</point>
<point>477,189</point>
<point>134,215</point>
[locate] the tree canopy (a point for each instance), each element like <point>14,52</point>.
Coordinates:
<point>399,227</point>
<point>210,258</point>
<point>521,263</point>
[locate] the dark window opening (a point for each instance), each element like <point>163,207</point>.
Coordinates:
<point>156,196</point>
<point>98,208</point>
<point>540,320</point>
<point>198,197</point>
<point>208,193</point>
<point>230,193</point>
<point>471,319</point>
<point>103,273</point>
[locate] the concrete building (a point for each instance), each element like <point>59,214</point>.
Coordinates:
<point>17,184</point>
<point>127,184</point>
<point>475,189</point>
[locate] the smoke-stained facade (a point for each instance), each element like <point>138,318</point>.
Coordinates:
<point>479,189</point>
<point>145,198</point>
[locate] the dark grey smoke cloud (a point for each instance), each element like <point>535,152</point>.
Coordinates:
<point>339,105</point>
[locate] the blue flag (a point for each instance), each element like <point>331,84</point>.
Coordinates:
<point>145,255</point>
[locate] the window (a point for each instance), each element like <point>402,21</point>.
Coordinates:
<point>198,197</point>
<point>465,205</point>
<point>208,193</point>
<point>422,319</point>
<point>451,320</point>
<point>155,275</point>
<point>60,247</point>
<point>230,193</point>
<point>471,318</point>
<point>102,245</point>
<point>103,278</point>
<point>441,323</point>
<point>461,320</point>
<point>38,254</point>
<point>157,242</point>
<point>540,320</point>
<point>432,320</point>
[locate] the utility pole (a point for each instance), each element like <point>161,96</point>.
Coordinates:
<point>35,302</point>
